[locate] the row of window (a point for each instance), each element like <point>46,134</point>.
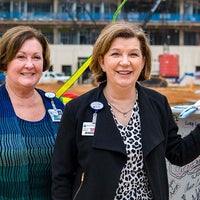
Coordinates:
<point>135,10</point>
<point>136,6</point>
<point>156,37</point>
<point>156,17</point>
<point>88,37</point>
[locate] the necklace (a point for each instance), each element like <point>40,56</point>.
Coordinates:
<point>123,113</point>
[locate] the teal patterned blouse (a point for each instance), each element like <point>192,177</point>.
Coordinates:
<point>25,152</point>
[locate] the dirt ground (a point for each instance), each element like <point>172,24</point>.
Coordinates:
<point>176,95</point>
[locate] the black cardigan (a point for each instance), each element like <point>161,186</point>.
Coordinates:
<point>101,157</point>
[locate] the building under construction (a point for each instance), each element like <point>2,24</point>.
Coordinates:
<point>175,22</point>
<point>73,23</point>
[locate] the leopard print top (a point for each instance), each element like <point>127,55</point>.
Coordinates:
<point>133,184</point>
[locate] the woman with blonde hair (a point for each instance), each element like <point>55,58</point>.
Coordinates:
<point>113,140</point>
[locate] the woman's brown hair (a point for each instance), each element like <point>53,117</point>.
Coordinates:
<point>108,34</point>
<point>13,39</point>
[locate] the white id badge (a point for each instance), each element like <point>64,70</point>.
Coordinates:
<point>55,114</point>
<point>88,129</point>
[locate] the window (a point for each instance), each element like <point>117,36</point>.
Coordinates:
<point>49,35</point>
<point>68,37</point>
<point>191,38</point>
<point>161,37</point>
<point>86,76</point>
<point>39,7</point>
<point>67,70</point>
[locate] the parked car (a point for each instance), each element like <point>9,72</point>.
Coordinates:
<point>53,77</point>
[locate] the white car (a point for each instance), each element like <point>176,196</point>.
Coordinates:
<point>53,77</point>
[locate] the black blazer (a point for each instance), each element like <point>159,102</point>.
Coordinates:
<point>100,158</point>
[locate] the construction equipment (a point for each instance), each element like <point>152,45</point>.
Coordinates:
<point>148,17</point>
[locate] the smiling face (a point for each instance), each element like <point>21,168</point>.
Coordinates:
<point>123,62</point>
<point>26,67</point>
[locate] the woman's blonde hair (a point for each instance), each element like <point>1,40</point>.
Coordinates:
<point>13,39</point>
<point>102,45</point>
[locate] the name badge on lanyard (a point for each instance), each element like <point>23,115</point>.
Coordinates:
<point>88,128</point>
<point>54,113</point>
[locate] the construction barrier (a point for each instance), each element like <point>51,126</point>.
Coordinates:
<point>184,182</point>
